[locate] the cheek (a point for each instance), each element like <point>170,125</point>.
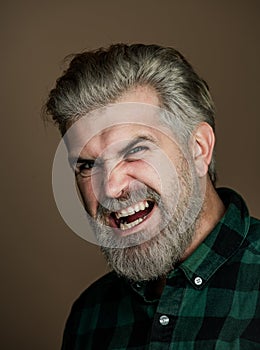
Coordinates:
<point>146,173</point>
<point>87,195</point>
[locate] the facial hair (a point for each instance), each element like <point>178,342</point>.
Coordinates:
<point>144,256</point>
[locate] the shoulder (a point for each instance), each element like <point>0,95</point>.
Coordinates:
<point>247,257</point>
<point>253,237</point>
<point>255,224</point>
<point>95,306</point>
<point>102,283</point>
<point>106,289</point>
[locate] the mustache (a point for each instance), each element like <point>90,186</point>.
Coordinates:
<point>128,199</point>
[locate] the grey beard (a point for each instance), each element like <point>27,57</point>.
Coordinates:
<point>147,255</point>
<point>151,259</point>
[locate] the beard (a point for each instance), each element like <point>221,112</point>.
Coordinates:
<point>151,253</point>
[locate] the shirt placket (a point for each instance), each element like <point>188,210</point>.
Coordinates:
<point>167,312</point>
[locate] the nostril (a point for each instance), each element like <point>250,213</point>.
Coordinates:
<point>115,192</point>
<point>116,186</point>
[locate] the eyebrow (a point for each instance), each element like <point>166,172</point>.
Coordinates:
<point>135,141</point>
<point>74,160</point>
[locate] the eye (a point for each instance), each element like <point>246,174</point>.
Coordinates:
<point>88,164</point>
<point>136,149</point>
<point>87,167</point>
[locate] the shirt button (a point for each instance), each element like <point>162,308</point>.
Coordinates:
<point>164,320</point>
<point>198,281</point>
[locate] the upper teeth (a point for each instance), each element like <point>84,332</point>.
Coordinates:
<point>131,210</point>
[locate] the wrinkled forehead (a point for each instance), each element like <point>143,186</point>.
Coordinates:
<point>120,117</point>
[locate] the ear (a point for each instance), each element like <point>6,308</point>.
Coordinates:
<point>202,147</point>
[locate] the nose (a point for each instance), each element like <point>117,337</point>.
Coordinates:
<point>117,181</point>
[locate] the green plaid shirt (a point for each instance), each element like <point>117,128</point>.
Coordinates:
<point>210,301</point>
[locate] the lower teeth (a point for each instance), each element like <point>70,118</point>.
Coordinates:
<point>125,226</point>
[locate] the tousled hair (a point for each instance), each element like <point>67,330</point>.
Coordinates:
<point>99,77</point>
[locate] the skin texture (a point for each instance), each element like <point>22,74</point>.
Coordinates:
<point>119,176</point>
<point>213,208</point>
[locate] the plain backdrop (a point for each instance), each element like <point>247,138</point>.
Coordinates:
<point>45,266</point>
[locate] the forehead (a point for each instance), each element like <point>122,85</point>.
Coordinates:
<point>114,123</point>
<point>114,139</point>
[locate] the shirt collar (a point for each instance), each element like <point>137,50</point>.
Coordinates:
<point>224,240</point>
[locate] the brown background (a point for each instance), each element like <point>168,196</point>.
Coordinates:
<point>45,265</point>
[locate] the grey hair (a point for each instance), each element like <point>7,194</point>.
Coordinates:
<point>97,78</point>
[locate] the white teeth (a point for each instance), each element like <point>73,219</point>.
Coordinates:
<point>131,210</point>
<point>142,206</point>
<point>137,208</point>
<point>124,212</point>
<point>126,226</point>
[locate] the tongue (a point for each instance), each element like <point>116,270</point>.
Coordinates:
<point>135,216</point>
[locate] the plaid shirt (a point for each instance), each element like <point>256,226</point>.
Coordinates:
<point>210,301</point>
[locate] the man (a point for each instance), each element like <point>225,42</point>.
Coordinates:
<point>138,124</point>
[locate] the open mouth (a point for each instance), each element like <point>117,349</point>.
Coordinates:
<point>131,216</point>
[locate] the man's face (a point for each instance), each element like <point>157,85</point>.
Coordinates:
<point>136,184</point>
<point>123,162</point>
